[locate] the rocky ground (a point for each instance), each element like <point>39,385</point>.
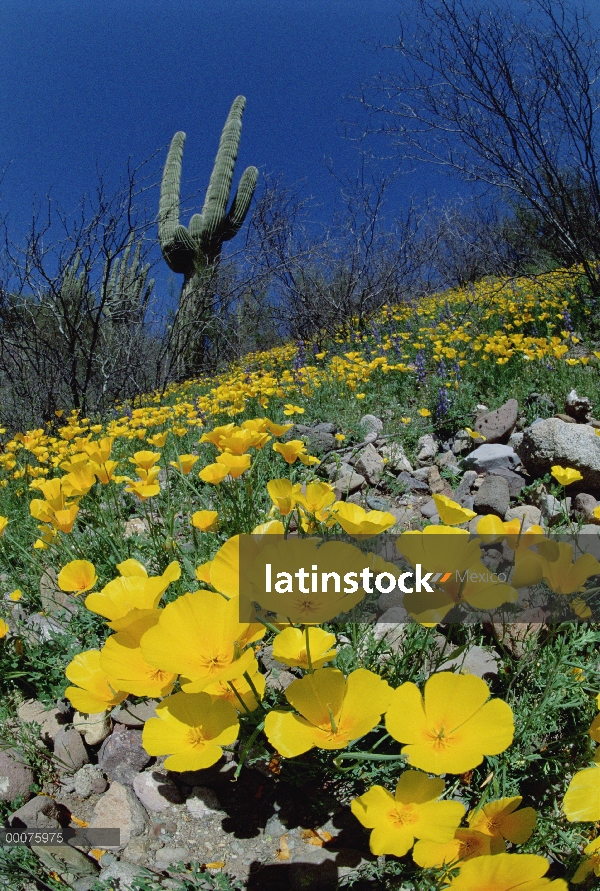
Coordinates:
<point>268,834</point>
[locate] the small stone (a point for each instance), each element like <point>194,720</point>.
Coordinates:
<point>325,427</point>
<point>405,518</point>
<point>94,728</point>
<point>135,526</point>
<point>412,483</point>
<point>497,425</point>
<point>390,599</point>
<point>566,419</point>
<point>421,474</point>
<point>395,458</point>
<point>336,470</point>
<point>203,803</point>
<point>375,503</point>
<point>31,710</point>
<point>515,439</point>
<point>584,507</point>
<point>89,780</point>
<point>370,464</point>
<point>463,490</point>
<point>135,715</point>
<point>119,809</point>
<point>347,484</point>
<point>136,851</point>
<point>488,456</point>
<point>125,874</point>
<point>68,862</point>
<point>526,513</point>
<point>54,601</point>
<point>515,480</point>
<point>317,442</point>
<point>447,459</point>
<point>167,856</point>
<point>492,496</point>
<point>371,424</point>
<point>462,442</point>
<point>578,407</point>
<point>43,812</point>
<point>475,661</point>
<point>122,755</point>
<point>437,485</point>
<point>69,751</point>
<point>428,449</point>
<point>429,509</point>
<point>156,791</point>
<point>554,509</point>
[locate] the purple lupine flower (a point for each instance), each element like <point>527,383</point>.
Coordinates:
<point>443,403</point>
<point>420,367</point>
<point>441,369</point>
<point>567,321</point>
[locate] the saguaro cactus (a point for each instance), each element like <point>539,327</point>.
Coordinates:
<point>194,251</point>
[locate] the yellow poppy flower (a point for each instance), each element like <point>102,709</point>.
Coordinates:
<point>283,494</point>
<point>565,475</point>
<point>292,450</point>
<point>581,803</point>
<point>142,489</point>
<point>565,576</point>
<point>333,711</point>
<point>16,594</point>
<point>413,812</point>
<point>191,729</point>
<point>158,440</point>
<point>590,864</point>
<point>213,473</point>
<point>502,820</point>
<point>235,465</point>
<point>355,520</point>
<point>132,590</point>
<point>95,691</point>
<point>200,636</point>
<point>451,513</point>
<point>505,872</point>
<point>452,726</point>
<point>145,459</point>
<point>424,412</point>
<point>63,520</point>
<point>3,524</point>
<point>290,409</point>
<point>289,647</point>
<point>99,451</point>
<point>121,658</point>
<point>105,472</point>
<point>318,497</point>
<point>4,629</point>
<point>77,576</point>
<point>238,689</point>
<point>205,520</point>
<point>465,845</point>
<point>184,463</point>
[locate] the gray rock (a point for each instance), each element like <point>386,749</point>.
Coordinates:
<point>325,427</point>
<point>554,509</point>
<point>54,601</point>
<point>369,464</point>
<point>475,661</point>
<point>43,812</point>
<point>584,506</point>
<point>135,715</point>
<point>371,424</point>
<point>69,751</point>
<point>347,484</point>
<point>530,515</point>
<point>437,485</point>
<point>317,442</point>
<point>406,518</point>
<point>137,850</point>
<point>376,503</point>
<point>421,474</point>
<point>463,490</point>
<point>203,803</point>
<point>552,441</point>
<point>492,496</point>
<point>515,439</point>
<point>515,480</point>
<point>490,455</point>
<point>578,407</point>
<point>119,809</point>
<point>564,417</point>
<point>429,509</point>
<point>447,459</point>
<point>390,599</point>
<point>89,780</point>
<point>428,449</point>
<point>123,872</point>
<point>412,483</point>
<point>94,728</point>
<point>462,443</point>
<point>335,471</point>
<point>84,883</point>
<point>395,458</point>
<point>497,425</point>
<point>15,776</point>
<point>68,862</point>
<point>122,756</point>
<point>165,857</point>
<point>156,791</point>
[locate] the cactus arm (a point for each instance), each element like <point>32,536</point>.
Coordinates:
<point>240,204</point>
<point>168,208</point>
<point>217,194</point>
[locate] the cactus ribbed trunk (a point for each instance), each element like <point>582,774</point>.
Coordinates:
<point>194,251</point>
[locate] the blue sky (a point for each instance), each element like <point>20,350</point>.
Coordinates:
<point>87,84</point>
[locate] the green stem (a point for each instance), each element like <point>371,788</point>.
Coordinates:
<point>247,748</point>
